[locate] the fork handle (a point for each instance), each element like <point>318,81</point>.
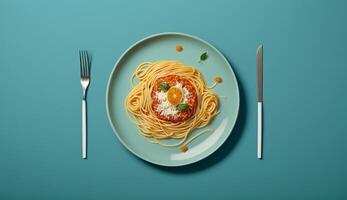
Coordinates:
<point>84,129</point>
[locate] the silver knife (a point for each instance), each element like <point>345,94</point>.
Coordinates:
<point>260,99</point>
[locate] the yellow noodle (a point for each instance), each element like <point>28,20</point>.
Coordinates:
<point>212,86</point>
<point>138,103</point>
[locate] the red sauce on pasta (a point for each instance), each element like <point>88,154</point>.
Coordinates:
<point>172,81</point>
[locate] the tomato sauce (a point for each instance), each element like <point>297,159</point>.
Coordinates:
<point>172,80</point>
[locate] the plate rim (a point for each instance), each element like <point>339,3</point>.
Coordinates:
<point>108,89</point>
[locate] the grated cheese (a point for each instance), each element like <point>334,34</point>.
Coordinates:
<point>186,95</point>
<point>161,96</point>
<point>164,107</point>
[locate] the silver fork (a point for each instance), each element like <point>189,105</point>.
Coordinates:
<point>84,64</point>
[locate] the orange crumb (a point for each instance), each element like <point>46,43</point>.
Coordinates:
<point>184,148</point>
<point>218,79</point>
<point>179,48</point>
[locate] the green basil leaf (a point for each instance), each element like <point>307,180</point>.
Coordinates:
<point>182,107</point>
<point>203,56</point>
<point>164,86</point>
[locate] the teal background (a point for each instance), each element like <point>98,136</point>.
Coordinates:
<point>305,108</point>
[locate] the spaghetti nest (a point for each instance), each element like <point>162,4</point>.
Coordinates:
<point>138,103</point>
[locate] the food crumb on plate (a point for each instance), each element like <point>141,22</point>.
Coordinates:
<point>179,48</point>
<point>184,148</point>
<point>218,79</point>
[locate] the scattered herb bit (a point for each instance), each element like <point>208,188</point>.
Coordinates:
<point>218,79</point>
<point>164,86</point>
<point>203,57</point>
<point>179,48</point>
<point>182,107</point>
<point>184,148</point>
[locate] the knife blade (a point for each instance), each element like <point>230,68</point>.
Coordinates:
<point>260,99</point>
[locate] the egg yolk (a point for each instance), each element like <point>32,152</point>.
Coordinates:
<point>174,95</point>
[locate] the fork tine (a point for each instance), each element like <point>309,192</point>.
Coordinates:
<point>81,63</point>
<point>86,62</point>
<point>88,66</point>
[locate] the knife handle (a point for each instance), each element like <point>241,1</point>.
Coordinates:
<point>260,129</point>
